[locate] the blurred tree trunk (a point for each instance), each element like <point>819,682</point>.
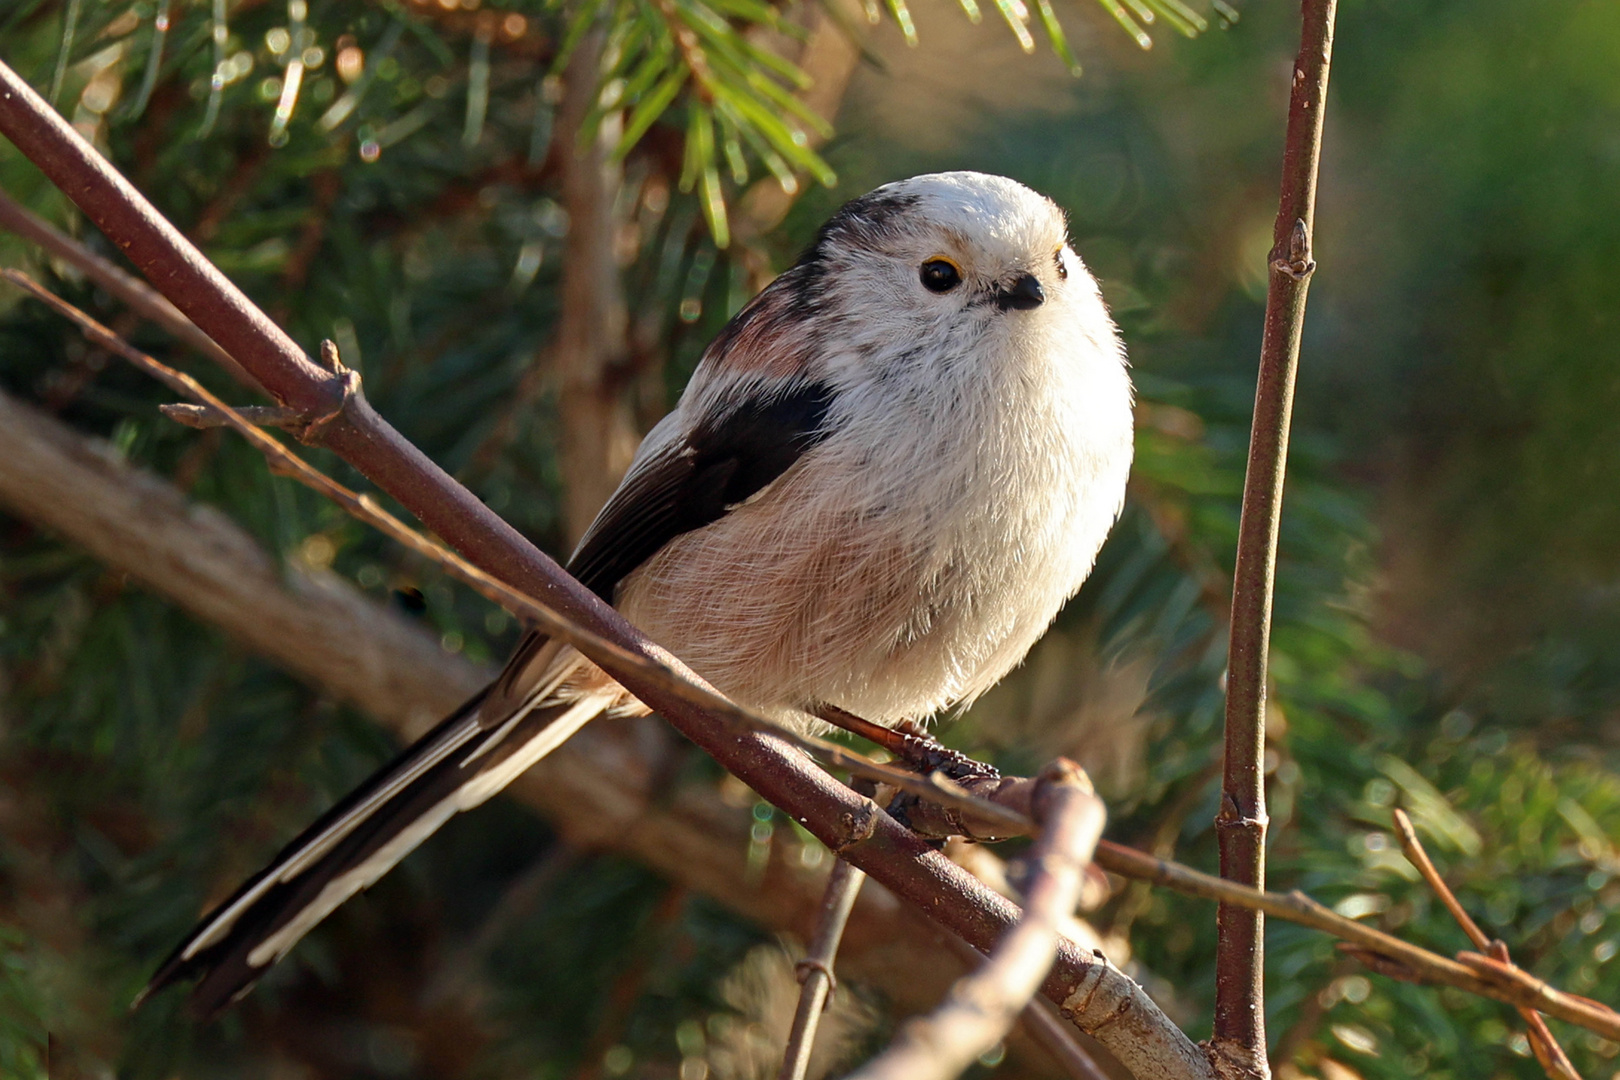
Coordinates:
<point>597,434</point>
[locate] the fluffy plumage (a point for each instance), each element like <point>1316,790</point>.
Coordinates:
<point>875,493</point>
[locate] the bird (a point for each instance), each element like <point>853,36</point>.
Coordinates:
<point>887,474</point>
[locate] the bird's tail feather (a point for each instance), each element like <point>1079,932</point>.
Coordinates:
<point>468,757</point>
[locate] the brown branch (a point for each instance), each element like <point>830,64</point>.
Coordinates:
<point>983,1006</point>
<point>180,272</point>
<point>1412,848</point>
<point>816,969</point>
<point>1554,1062</point>
<point>1239,1038</point>
<point>306,619</point>
<point>888,738</point>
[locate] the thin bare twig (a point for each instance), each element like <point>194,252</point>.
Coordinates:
<point>205,417</point>
<point>1387,954</point>
<point>1554,1062</point>
<point>816,979</point>
<point>983,1006</point>
<point>1239,1039</point>
<point>945,770</point>
<point>135,293</point>
<point>1412,848</point>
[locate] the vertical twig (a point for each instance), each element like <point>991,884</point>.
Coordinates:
<point>1239,1031</point>
<point>816,969</point>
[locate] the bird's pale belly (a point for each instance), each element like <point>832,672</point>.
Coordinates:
<point>832,607</point>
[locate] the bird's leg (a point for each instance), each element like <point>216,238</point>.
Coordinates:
<point>912,744</point>
<point>892,740</point>
<point>922,752</point>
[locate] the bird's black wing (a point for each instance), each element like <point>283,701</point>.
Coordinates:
<point>694,482</point>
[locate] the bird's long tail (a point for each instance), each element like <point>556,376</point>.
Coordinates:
<point>535,705</point>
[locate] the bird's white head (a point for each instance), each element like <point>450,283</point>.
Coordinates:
<point>947,269</point>
<point>950,243</point>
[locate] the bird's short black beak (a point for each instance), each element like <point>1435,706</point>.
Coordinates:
<point>1024,294</point>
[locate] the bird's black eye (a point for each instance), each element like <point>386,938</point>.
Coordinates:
<point>940,275</point>
<point>1062,267</point>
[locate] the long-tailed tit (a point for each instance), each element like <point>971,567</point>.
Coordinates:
<point>887,475</point>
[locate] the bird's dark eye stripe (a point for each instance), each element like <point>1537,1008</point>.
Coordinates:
<point>940,275</point>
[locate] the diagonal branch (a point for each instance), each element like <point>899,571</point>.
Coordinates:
<point>1239,1040</point>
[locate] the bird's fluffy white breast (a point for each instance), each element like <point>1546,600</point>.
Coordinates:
<point>913,557</point>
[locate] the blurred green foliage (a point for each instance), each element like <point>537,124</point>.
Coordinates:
<point>1446,604</point>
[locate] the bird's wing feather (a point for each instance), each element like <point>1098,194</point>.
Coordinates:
<point>691,479</point>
